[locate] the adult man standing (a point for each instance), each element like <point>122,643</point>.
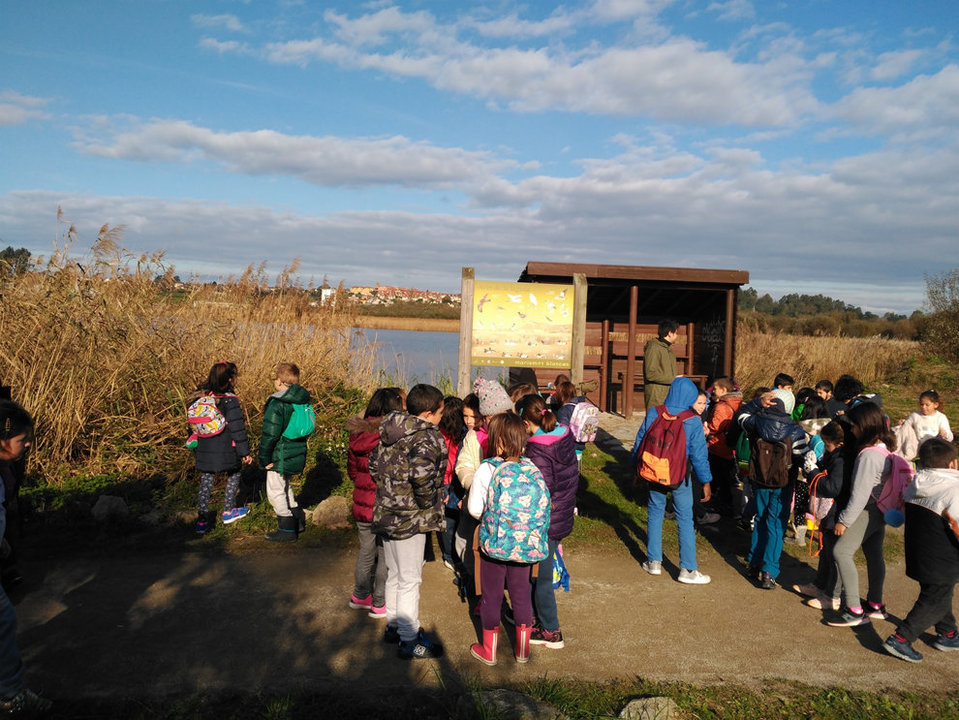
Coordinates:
<point>659,364</point>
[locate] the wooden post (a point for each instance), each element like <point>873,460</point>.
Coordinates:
<point>630,353</point>
<point>578,356</point>
<point>464,366</point>
<point>730,335</point>
<point>690,348</point>
<point>604,366</point>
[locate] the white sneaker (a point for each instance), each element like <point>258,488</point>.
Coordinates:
<point>653,567</point>
<point>693,577</point>
<point>709,519</point>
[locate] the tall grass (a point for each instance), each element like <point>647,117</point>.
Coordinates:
<point>104,353</point>
<point>759,356</point>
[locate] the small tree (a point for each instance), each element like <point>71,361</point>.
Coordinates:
<point>941,328</point>
<point>14,262</point>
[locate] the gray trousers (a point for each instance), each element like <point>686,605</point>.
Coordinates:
<point>867,532</point>
<point>404,566</point>
<point>369,577</point>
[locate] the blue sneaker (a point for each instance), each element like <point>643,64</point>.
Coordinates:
<point>901,648</point>
<point>202,527</point>
<point>946,643</point>
<point>231,516</point>
<point>422,647</point>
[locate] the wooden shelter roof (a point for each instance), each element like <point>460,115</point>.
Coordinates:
<point>632,274</point>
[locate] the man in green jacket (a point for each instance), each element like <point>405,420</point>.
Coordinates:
<point>283,456</point>
<point>659,364</point>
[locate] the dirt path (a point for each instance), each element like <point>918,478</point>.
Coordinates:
<point>277,618</point>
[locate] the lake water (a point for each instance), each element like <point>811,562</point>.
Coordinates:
<point>406,357</point>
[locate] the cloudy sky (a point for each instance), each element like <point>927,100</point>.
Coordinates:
<point>813,143</point>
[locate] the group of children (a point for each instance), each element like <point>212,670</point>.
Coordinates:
<point>495,477</point>
<point>829,459</point>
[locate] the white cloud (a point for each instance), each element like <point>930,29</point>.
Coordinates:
<point>732,9</point>
<point>17,109</point>
<point>229,22</point>
<point>926,106</point>
<point>891,65</point>
<point>325,161</point>
<point>223,46</point>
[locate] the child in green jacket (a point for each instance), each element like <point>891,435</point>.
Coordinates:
<point>282,456</point>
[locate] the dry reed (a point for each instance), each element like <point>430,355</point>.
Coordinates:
<point>104,354</point>
<point>759,356</point>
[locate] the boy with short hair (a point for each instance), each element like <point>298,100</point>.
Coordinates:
<point>408,467</point>
<point>283,457</point>
<point>932,550</point>
<point>823,389</point>
<point>783,382</point>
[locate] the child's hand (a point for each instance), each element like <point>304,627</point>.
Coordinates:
<point>269,467</point>
<point>247,459</point>
<point>840,529</point>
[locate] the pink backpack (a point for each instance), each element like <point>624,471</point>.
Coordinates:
<point>889,500</point>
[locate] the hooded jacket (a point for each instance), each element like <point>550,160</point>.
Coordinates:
<point>772,424</point>
<point>408,467</point>
<point>288,456</point>
<point>225,451</point>
<point>932,526</point>
<point>682,394</point>
<point>364,437</point>
<point>555,456</point>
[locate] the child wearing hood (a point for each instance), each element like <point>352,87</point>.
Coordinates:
<point>681,396</point>
<point>767,419</point>
<point>932,550</point>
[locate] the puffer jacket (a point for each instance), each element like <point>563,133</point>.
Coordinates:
<point>772,424</point>
<point>721,414</point>
<point>364,437</point>
<point>555,456</point>
<point>932,526</point>
<point>224,452</point>
<point>408,467</point>
<point>288,456</point>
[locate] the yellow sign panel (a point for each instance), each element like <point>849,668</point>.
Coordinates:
<point>522,324</point>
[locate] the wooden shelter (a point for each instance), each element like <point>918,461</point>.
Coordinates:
<point>624,305</point>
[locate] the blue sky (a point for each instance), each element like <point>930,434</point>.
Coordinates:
<point>812,143</point>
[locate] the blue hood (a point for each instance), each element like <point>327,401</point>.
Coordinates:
<point>682,394</point>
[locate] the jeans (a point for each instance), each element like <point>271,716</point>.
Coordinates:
<point>11,669</point>
<point>446,537</point>
<point>544,600</point>
<point>683,506</point>
<point>933,607</point>
<point>867,532</point>
<point>494,577</point>
<point>404,574</point>
<point>772,513</point>
<point>280,494</point>
<point>369,577</point>
<point>827,579</point>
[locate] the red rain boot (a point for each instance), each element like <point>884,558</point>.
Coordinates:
<point>486,653</point>
<point>522,642</point>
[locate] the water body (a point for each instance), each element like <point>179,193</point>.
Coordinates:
<point>407,357</point>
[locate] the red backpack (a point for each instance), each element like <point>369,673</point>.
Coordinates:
<point>662,453</point>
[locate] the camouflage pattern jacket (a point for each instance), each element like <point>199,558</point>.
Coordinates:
<point>408,467</point>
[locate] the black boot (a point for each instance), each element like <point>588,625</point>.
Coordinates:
<point>286,532</point>
<point>300,516</point>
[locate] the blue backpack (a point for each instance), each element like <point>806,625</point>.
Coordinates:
<point>515,521</point>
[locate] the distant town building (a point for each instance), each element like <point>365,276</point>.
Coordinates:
<point>387,294</point>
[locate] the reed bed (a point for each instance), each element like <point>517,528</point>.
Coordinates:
<point>104,352</point>
<point>759,356</point>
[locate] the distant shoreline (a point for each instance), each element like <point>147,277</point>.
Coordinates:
<point>380,322</point>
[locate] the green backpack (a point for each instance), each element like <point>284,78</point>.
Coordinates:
<point>302,422</point>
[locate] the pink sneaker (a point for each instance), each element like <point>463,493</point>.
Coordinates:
<point>361,603</point>
<point>377,611</point>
